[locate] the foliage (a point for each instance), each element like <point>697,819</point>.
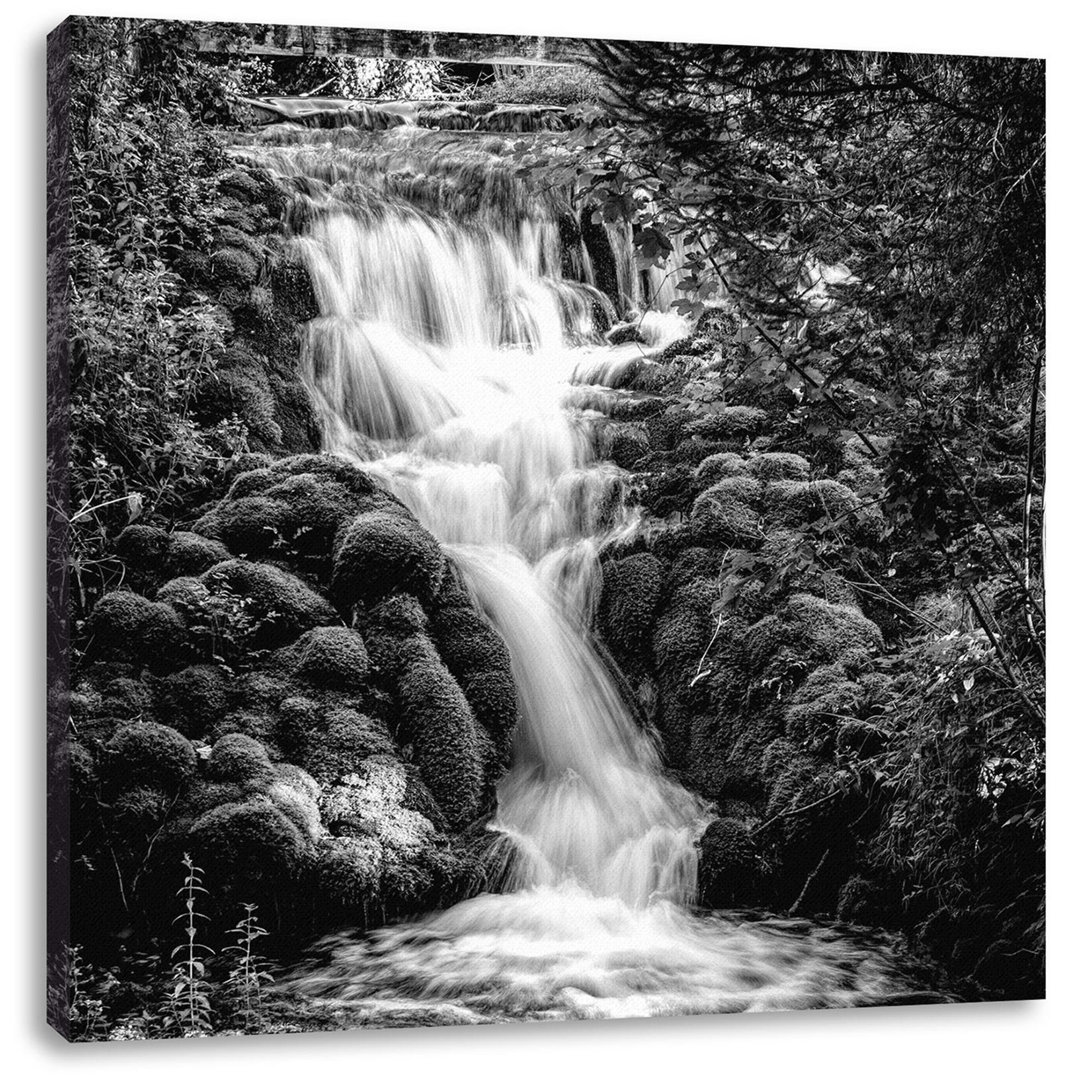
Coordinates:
<point>875,224</point>
<point>142,179</point>
<point>871,229</point>
<point>248,974</point>
<point>86,1013</point>
<point>139,997</point>
<point>543,85</point>
<point>190,995</point>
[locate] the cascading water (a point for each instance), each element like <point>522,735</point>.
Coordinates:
<point>452,345</point>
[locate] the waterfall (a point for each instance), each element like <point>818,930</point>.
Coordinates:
<point>457,330</point>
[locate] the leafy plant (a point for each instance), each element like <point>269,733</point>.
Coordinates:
<point>189,996</point>
<point>249,972</point>
<point>86,1012</point>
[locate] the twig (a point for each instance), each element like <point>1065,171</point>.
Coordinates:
<point>699,674</point>
<point>798,810</point>
<point>806,885</point>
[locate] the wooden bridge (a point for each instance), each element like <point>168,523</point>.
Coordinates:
<point>266,39</point>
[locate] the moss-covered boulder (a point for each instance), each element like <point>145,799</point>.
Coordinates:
<point>810,629</point>
<point>729,513</point>
<point>274,607</point>
<point>194,698</point>
<point>249,850</point>
<point>151,754</point>
<point>479,660</point>
<point>381,552</point>
<point>239,759</point>
<point>340,741</point>
<point>720,466</point>
<point>730,865</point>
<point>798,502</point>
<point>630,596</point>
<point>332,656</point>
<point>451,750</point>
<point>293,509</point>
<point>129,627</point>
<point>733,422</point>
<point>778,466</point>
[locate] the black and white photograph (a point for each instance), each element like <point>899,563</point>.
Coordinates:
<point>539,528</point>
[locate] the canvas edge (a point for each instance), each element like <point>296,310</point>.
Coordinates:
<point>58,627</point>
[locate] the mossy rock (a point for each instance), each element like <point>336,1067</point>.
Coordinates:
<point>624,443</point>
<point>382,552</point>
<point>233,266</point>
<point>798,502</point>
<point>249,849</point>
<point>865,902</point>
<point>720,466</point>
<point>811,630</point>
<point>280,606</point>
<point>294,509</point>
<point>151,754</point>
<point>239,759</point>
<point>343,740</point>
<point>777,466</point>
<point>129,627</point>
<point>450,748</point>
<point>152,555</point>
<point>194,698</point>
<point>480,662</point>
<point>348,870</point>
<point>732,422</point>
<point>332,656</point>
<point>730,865</point>
<point>257,726</point>
<point>630,596</point>
<point>293,289</point>
<point>729,513</point>
<point>825,700</point>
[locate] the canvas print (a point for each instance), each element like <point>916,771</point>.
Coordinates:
<point>539,528</point>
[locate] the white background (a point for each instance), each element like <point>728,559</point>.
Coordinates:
<point>987,1041</point>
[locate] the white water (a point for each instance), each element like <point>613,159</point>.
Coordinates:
<point>448,336</point>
